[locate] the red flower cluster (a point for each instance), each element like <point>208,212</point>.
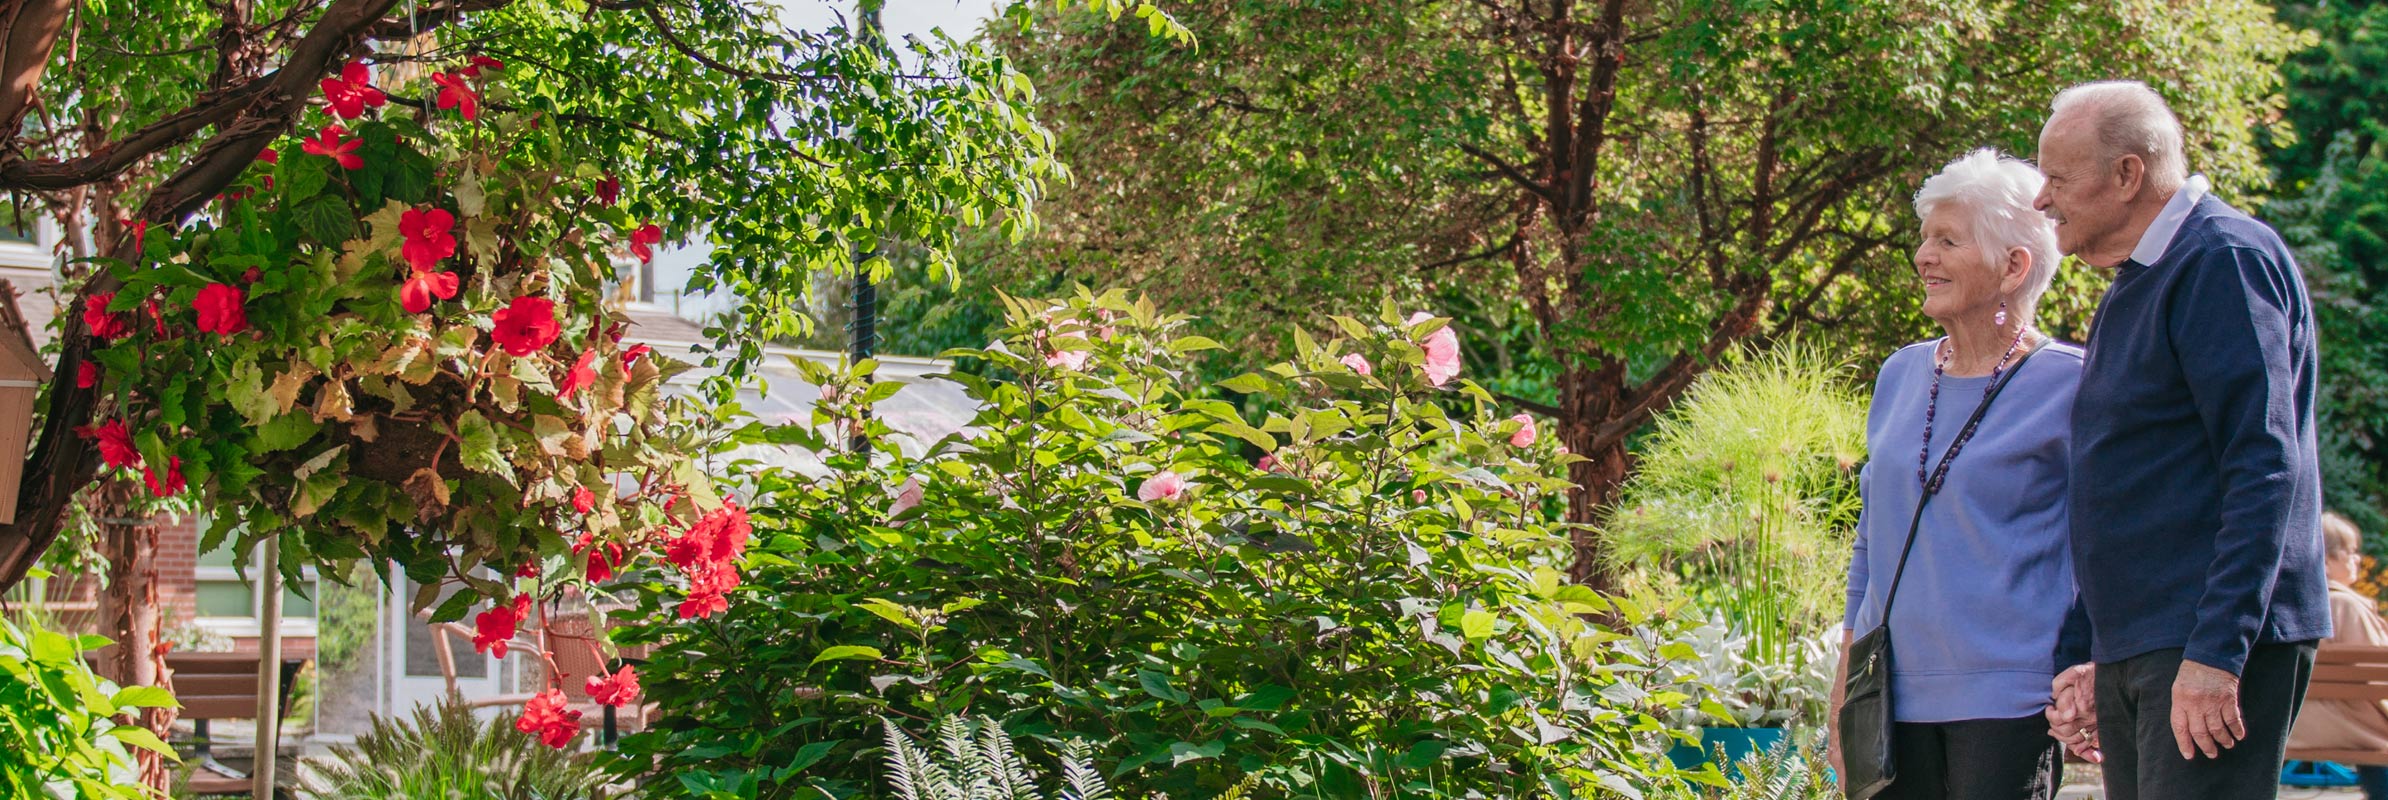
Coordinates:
<point>167,486</point>
<point>579,377</point>
<point>708,554</point>
<point>327,142</point>
<point>87,375</point>
<point>630,356</point>
<point>351,93</point>
<point>473,66</point>
<point>603,558</point>
<point>105,325</point>
<point>609,190</point>
<point>428,240</point>
<point>644,240</point>
<point>115,443</point>
<point>492,629</point>
<point>618,689</point>
<point>526,325</point>
<point>455,93</point>
<point>583,500</point>
<point>550,718</point>
<point>219,307</point>
<point>140,231</point>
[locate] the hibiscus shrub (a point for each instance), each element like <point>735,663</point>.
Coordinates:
<point>1363,594</point>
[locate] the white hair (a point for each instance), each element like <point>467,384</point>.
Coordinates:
<point>2131,120</point>
<point>1994,194</point>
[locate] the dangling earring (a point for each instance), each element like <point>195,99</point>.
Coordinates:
<point>2000,319</point>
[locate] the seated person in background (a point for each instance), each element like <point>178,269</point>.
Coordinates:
<point>2348,724</point>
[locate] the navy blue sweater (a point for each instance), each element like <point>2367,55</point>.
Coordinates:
<point>2196,494</point>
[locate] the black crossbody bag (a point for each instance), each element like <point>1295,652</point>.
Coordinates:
<point>1866,690</point>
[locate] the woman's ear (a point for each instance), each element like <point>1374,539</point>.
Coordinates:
<point>2014,270</point>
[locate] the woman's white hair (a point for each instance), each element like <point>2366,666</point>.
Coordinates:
<point>1994,194</point>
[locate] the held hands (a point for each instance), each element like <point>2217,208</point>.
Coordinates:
<point>2205,710</point>
<point>2073,711</point>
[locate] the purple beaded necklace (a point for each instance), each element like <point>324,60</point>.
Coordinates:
<point>1940,367</point>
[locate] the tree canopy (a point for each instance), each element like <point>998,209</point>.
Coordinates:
<point>1608,195</point>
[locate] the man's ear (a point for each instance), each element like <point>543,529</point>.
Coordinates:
<point>2130,173</point>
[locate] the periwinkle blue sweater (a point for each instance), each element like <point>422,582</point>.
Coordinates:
<point>1990,579</point>
<point>2197,494</point>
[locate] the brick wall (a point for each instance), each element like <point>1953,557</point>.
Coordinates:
<point>178,556</point>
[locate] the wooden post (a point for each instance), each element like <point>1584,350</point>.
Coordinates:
<point>269,670</point>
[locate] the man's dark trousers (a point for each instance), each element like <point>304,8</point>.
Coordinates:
<point>2143,759</point>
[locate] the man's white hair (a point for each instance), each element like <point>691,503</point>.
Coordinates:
<point>2131,120</point>
<point>1994,194</point>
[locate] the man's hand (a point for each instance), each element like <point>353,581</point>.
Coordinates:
<point>2205,710</point>
<point>2073,711</point>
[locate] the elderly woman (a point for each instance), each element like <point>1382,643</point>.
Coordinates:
<point>1989,578</point>
<point>2347,724</point>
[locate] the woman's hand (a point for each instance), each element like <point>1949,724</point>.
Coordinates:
<point>2073,711</point>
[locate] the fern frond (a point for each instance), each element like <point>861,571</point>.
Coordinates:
<point>902,762</point>
<point>1078,776</point>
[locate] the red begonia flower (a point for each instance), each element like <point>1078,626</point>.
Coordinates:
<point>494,628</point>
<point>87,375</point>
<point>328,143</point>
<point>549,717</point>
<point>140,231</point>
<point>609,190</point>
<point>583,500</point>
<point>420,289</point>
<point>643,241</point>
<point>602,557</point>
<point>115,443</point>
<point>474,66</point>
<point>219,307</point>
<point>429,237</point>
<point>104,324</point>
<point>579,376</point>
<point>454,93</point>
<point>631,355</point>
<point>618,689</point>
<point>251,275</point>
<point>351,93</point>
<point>171,485</point>
<point>269,156</point>
<point>526,325</point>
<point>529,569</point>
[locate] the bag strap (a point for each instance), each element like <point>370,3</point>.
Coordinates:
<point>1932,484</point>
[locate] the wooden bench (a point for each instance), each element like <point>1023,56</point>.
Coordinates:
<point>2347,673</point>
<point>214,686</point>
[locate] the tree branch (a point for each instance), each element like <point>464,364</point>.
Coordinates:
<point>1661,389</point>
<point>1511,172</point>
<point>1544,409</point>
<point>32,28</point>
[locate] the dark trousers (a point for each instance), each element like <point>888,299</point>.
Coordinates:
<point>1975,759</point>
<point>2143,760</point>
<point>2374,781</point>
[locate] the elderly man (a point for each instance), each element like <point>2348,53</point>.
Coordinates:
<point>2196,499</point>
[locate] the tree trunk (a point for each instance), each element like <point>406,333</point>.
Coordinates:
<point>129,616</point>
<point>1586,398</point>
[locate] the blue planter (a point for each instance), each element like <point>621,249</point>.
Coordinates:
<point>1737,743</point>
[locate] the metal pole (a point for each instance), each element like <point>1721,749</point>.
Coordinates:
<point>269,671</point>
<point>865,334</point>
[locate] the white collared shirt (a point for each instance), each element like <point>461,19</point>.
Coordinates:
<point>2158,237</point>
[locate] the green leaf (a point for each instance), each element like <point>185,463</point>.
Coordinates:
<point>145,697</point>
<point>409,179</point>
<point>1477,623</point>
<point>1157,685</point>
<point>479,447</point>
<point>849,652</point>
<point>808,755</point>
<point>141,737</point>
<point>301,179</point>
<point>1248,383</point>
<point>287,431</point>
<point>326,219</point>
<point>454,607</point>
<point>1424,754</point>
<point>890,612</point>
